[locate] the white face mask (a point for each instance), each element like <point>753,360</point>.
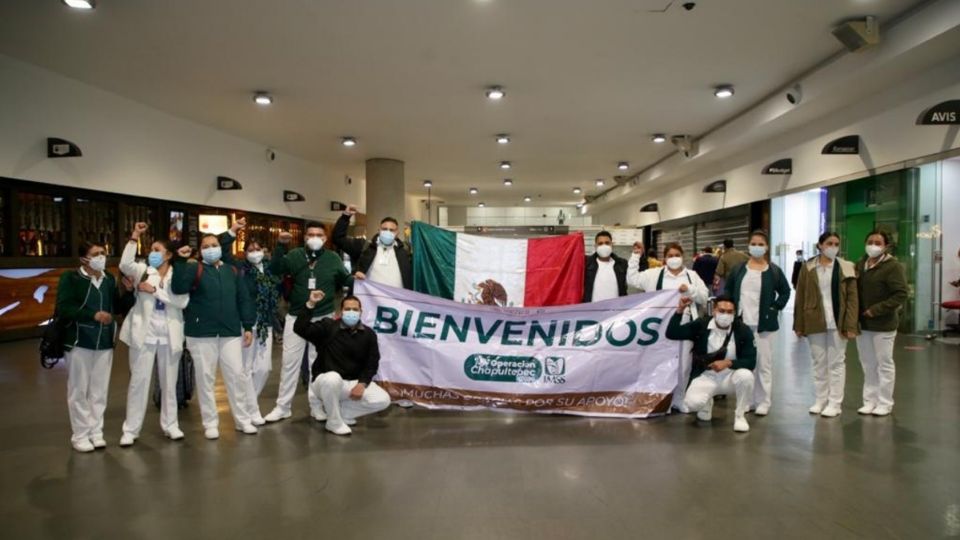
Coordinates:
<point>757,251</point>
<point>604,251</point>
<point>724,320</point>
<point>98,263</point>
<point>830,252</point>
<point>255,257</point>
<point>674,263</point>
<point>315,243</point>
<point>874,250</point>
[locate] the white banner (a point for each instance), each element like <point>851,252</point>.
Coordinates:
<point>608,358</point>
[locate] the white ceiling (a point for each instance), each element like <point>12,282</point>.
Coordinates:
<point>587,81</point>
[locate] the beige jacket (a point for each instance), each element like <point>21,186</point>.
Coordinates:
<point>809,315</point>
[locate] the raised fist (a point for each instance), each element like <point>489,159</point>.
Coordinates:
<point>185,251</point>
<point>284,237</point>
<point>316,296</point>
<point>138,229</point>
<point>238,224</point>
<point>351,210</point>
<point>638,248</point>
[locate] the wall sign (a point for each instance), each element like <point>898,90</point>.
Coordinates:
<point>941,114</point>
<point>652,207</point>
<point>844,145</point>
<point>780,166</point>
<point>717,186</point>
<point>225,183</point>
<point>292,196</point>
<point>57,148</point>
<point>518,230</point>
<point>337,206</point>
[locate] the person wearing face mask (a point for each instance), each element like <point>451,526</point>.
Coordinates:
<point>761,291</point>
<point>154,331</point>
<point>348,359</point>
<point>724,356</point>
<point>882,287</point>
<point>826,314</point>
<point>605,274</point>
<point>674,276</point>
<point>258,358</point>
<point>311,268</point>
<point>87,301</point>
<point>219,324</point>
<point>385,259</point>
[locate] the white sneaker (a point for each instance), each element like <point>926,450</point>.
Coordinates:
<point>706,413</point>
<point>174,434</point>
<point>319,416</point>
<point>350,421</point>
<point>866,409</point>
<point>342,429</point>
<point>762,410</point>
<point>258,420</point>
<point>98,442</point>
<point>405,403</point>
<point>830,411</point>
<point>83,446</point>
<point>740,425</point>
<point>211,433</point>
<point>882,411</point>
<point>277,415</point>
<point>817,408</point>
<point>127,439</point>
<point>249,429</point>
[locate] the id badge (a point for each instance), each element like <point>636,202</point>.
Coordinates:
<point>312,283</point>
<point>159,305</point>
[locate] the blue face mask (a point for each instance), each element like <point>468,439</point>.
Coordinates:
<point>350,318</point>
<point>155,259</point>
<point>211,254</point>
<point>387,238</point>
<point>757,251</point>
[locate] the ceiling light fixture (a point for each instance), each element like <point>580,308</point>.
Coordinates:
<point>505,165</point>
<point>474,191</point>
<point>579,205</point>
<point>723,91</point>
<point>577,191</point>
<point>527,198</point>
<point>503,138</point>
<point>428,184</point>
<point>262,98</point>
<point>507,182</point>
<point>481,204</point>
<point>348,141</point>
<point>623,165</point>
<point>495,93</point>
<point>81,4</point>
<point>599,182</point>
<point>658,138</point>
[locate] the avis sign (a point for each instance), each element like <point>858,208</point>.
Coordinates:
<point>946,113</point>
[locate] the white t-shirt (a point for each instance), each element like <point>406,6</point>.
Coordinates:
<point>717,337</point>
<point>385,268</point>
<point>825,280</point>
<point>750,297</point>
<point>605,283</point>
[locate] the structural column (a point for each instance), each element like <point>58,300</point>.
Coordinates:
<point>385,192</point>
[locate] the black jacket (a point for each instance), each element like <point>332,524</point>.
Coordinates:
<point>590,275</point>
<point>362,252</point>
<point>698,332</point>
<point>706,267</point>
<point>351,352</point>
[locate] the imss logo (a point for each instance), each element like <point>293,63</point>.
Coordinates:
<point>515,369</point>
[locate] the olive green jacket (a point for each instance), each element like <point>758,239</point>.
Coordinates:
<point>883,292</point>
<point>809,316</point>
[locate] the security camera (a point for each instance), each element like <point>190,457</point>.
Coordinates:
<point>689,5</point>
<point>686,145</point>
<point>794,95</point>
<point>347,180</point>
<point>271,155</point>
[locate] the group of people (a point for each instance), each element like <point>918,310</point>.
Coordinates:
<point>223,309</point>
<point>731,352</point>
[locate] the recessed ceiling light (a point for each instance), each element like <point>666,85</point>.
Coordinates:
<point>428,184</point>
<point>495,92</point>
<point>81,4</point>
<point>505,165</point>
<point>507,182</point>
<point>474,191</point>
<point>579,205</point>
<point>577,191</point>
<point>262,98</point>
<point>599,182</point>
<point>348,141</point>
<point>481,204</point>
<point>503,138</point>
<point>623,165</point>
<point>659,138</point>
<point>723,91</point>
<point>527,198</point>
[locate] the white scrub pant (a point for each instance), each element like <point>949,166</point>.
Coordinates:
<point>257,362</point>
<point>683,375</point>
<point>88,379</point>
<point>712,383</point>
<point>763,374</point>
<point>829,352</point>
<point>207,353</point>
<point>335,393</point>
<point>138,392</point>
<point>293,346</point>
<point>879,374</point>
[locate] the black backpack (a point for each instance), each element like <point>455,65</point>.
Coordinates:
<point>51,343</point>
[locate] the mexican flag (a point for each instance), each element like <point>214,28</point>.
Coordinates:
<point>497,271</point>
